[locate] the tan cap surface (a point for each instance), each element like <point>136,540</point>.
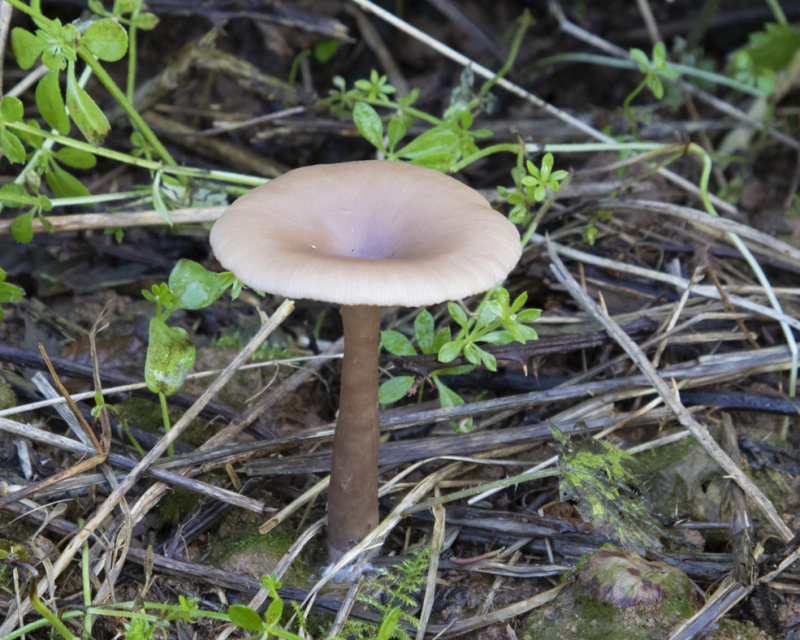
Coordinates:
<point>373,232</point>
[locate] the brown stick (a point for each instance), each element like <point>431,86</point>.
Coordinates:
<point>353,492</point>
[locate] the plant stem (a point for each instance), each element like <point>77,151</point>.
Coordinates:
<point>626,106</point>
<point>132,48</point>
<point>123,101</point>
<point>525,22</point>
<point>353,491</point>
<point>511,147</point>
<point>621,63</point>
<point>780,16</point>
<point>191,172</point>
<point>51,618</point>
<point>162,399</point>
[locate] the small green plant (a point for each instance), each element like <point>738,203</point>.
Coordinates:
<point>391,594</point>
<point>655,70</point>
<point>496,320</point>
<point>531,187</point>
<point>170,350</point>
<point>590,231</point>
<point>449,142</point>
<point>268,625</point>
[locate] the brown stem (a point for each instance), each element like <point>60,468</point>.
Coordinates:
<point>353,492</point>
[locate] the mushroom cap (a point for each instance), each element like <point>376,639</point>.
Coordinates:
<point>372,232</point>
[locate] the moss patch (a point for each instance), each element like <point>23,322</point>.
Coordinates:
<point>242,549</point>
<point>617,595</point>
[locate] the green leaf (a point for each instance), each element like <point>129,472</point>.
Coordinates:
<point>51,103</point>
<point>437,148</point>
<point>389,624</point>
<point>33,138</point>
<point>488,360</point>
<point>395,130</point>
<point>424,331</point>
<point>441,338</point>
<point>394,388</point>
<point>63,183</point>
<point>449,351</point>
<point>146,21</point>
<point>274,612</point>
<point>193,286</point>
<point>84,111</point>
<point>22,227</point>
<point>641,58</point>
<point>489,312</point>
<point>27,47</point>
<point>519,302</point>
<point>170,357</point>
<point>396,343</point>
<point>127,6</point>
<point>449,398</point>
<point>369,124</point>
<point>11,146</point>
<point>774,47</point>
<point>76,158</point>
<point>528,315</point>
<point>472,353</point>
<point>655,85</point>
<point>106,39</point>
<point>14,195</point>
<point>9,292</point>
<point>245,618</point>
<point>324,50</point>
<point>11,109</point>
<point>659,55</point>
<point>457,313</point>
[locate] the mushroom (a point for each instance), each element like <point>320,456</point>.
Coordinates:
<point>364,235</point>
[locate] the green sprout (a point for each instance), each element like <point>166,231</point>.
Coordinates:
<point>530,187</point>
<point>654,70</point>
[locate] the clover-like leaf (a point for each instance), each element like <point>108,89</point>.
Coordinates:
<point>22,227</point>
<point>27,47</point>
<point>106,39</point>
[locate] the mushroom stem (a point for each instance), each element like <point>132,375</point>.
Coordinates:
<point>353,491</point>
